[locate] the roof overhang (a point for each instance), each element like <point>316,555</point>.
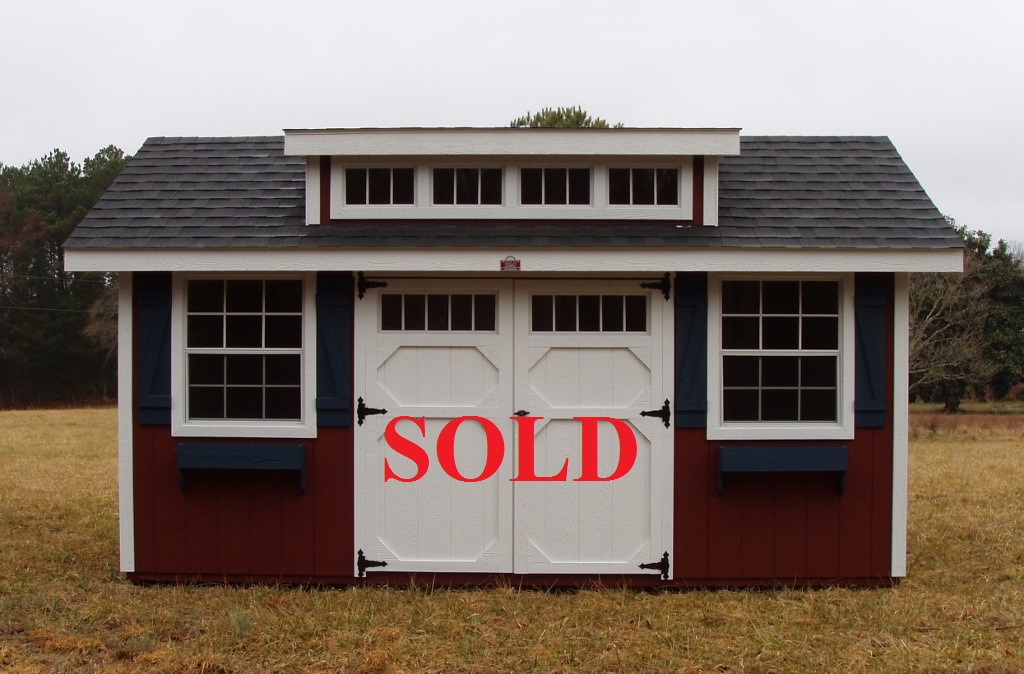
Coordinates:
<point>497,142</point>
<point>540,260</point>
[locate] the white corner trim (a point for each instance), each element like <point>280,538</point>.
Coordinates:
<point>710,191</point>
<point>501,142</point>
<point>900,423</point>
<point>125,435</point>
<point>717,429</point>
<point>313,191</point>
<point>305,428</point>
<point>486,260</point>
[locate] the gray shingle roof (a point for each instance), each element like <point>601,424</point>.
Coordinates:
<point>781,192</point>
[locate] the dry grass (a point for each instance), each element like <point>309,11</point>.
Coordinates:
<point>64,606</point>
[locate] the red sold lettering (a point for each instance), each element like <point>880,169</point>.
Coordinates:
<point>627,449</point>
<point>527,458</point>
<point>446,448</point>
<point>406,448</point>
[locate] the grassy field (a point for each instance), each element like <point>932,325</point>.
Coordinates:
<point>65,607</point>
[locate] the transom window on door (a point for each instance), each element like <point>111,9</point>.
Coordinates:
<point>244,349</point>
<point>379,186</point>
<point>469,186</point>
<point>643,187</point>
<point>780,346</point>
<point>438,312</point>
<point>589,313</point>
<point>555,186</point>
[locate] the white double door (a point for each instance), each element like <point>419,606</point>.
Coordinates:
<point>433,353</point>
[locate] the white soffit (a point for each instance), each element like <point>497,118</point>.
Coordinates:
<point>512,142</point>
<point>546,260</point>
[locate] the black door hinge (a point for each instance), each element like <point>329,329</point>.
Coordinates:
<point>521,413</point>
<point>659,566</point>
<point>362,563</point>
<point>362,285</point>
<point>362,411</point>
<point>664,285</point>
<point>665,413</point>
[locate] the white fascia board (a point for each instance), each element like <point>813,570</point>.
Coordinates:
<point>125,433</point>
<point>900,423</point>
<point>546,260</point>
<point>511,142</point>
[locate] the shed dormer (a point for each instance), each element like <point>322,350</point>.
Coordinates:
<point>512,174</point>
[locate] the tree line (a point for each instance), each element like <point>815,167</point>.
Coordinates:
<point>58,330</point>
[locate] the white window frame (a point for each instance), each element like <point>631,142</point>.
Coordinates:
<point>181,426</point>
<point>843,429</point>
<point>543,168</point>
<point>371,166</point>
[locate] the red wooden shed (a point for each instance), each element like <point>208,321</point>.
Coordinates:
<point>659,357</point>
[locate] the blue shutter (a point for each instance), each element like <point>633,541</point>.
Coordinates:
<point>691,350</point>
<point>871,294</point>
<point>153,318</point>
<point>334,349</point>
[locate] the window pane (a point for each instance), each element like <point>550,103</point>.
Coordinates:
<point>618,186</point>
<point>555,191</point>
<point>820,333</point>
<point>668,187</point>
<point>467,186</point>
<point>565,313</point>
<point>579,187</point>
<point>780,371</point>
<point>781,297</point>
<point>444,186</point>
<point>245,296</point>
<point>779,405</point>
<point>355,186</point>
<point>205,369</point>
<point>244,332</point>
<point>484,309</point>
<point>402,186</point>
<point>636,313</point>
<point>530,184</point>
<point>205,332</point>
<point>739,405</point>
<point>437,312</point>
<point>818,371</point>
<point>741,371</point>
<point>643,186</point>
<point>612,314</point>
<point>380,185</point>
<point>283,403</point>
<point>245,402</point>
<point>415,312</point>
<point>543,313</point>
<point>820,297</point>
<point>741,297</point>
<point>284,296</point>
<point>780,333</point>
<point>740,333</point>
<point>391,312</point>
<point>283,332</point>
<point>590,313</point>
<point>205,296</point>
<point>462,312</point>
<point>205,402</point>
<point>818,406</point>
<point>284,370</point>
<point>490,187</point>
<point>244,370</point>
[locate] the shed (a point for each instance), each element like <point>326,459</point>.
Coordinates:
<point>657,357</point>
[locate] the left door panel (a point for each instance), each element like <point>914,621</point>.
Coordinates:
<point>438,350</point>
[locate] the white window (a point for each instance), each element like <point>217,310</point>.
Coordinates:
<point>780,358</point>
<point>468,186</point>
<point>555,186</point>
<point>379,186</point>
<point>244,361</point>
<point>643,187</point>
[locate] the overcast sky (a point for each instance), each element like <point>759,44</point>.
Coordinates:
<point>943,79</point>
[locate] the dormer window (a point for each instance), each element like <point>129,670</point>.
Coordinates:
<point>378,186</point>
<point>643,187</point>
<point>467,186</point>
<point>555,186</point>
